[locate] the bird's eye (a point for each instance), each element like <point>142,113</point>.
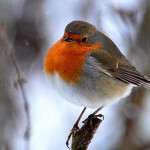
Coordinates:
<point>84,40</point>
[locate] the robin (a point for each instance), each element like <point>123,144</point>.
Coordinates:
<point>88,69</point>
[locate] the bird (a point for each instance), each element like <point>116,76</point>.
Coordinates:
<point>86,67</point>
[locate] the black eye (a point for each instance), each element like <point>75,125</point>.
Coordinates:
<point>84,40</point>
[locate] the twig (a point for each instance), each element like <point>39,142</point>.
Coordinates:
<point>82,137</point>
<point>19,83</point>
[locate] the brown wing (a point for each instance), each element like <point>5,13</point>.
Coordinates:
<point>120,68</point>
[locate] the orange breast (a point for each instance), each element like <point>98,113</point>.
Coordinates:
<point>67,59</point>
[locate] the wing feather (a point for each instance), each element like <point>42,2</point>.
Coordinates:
<point>120,68</point>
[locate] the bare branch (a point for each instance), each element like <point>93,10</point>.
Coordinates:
<point>20,81</point>
<point>19,84</point>
<point>82,137</point>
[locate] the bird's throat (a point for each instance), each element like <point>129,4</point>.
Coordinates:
<point>66,59</point>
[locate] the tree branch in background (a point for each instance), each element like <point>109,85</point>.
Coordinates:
<point>19,84</point>
<point>137,49</point>
<point>20,81</point>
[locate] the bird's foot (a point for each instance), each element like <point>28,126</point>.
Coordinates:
<point>75,127</point>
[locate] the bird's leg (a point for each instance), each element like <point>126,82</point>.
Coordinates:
<point>75,127</point>
<point>94,113</point>
<point>97,110</point>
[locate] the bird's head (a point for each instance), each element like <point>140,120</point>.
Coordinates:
<point>67,56</point>
<point>82,33</point>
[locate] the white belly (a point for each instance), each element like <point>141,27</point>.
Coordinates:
<point>83,96</point>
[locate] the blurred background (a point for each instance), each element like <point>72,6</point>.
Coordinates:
<point>33,116</point>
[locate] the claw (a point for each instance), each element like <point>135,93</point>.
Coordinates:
<point>73,130</point>
<point>75,127</point>
<point>100,116</point>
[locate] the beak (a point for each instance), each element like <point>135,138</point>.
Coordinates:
<point>68,39</point>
